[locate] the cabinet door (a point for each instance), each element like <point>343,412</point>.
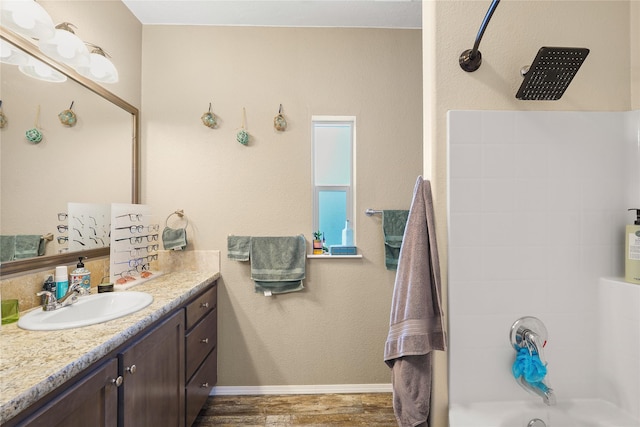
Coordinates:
<point>92,401</point>
<point>152,393</point>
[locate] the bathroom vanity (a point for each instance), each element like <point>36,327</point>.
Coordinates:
<point>154,367</point>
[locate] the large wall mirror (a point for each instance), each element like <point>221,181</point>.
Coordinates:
<point>95,161</point>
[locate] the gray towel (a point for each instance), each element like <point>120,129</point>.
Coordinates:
<point>238,248</point>
<point>278,263</point>
<point>416,325</point>
<point>29,246</point>
<point>7,248</point>
<point>393,225</point>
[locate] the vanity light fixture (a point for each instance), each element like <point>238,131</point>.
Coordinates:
<point>65,46</point>
<point>99,68</point>
<point>26,17</point>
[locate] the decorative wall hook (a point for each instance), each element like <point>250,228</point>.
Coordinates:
<point>3,118</point>
<point>209,119</point>
<point>243,136</point>
<point>279,122</point>
<point>68,117</point>
<point>34,135</point>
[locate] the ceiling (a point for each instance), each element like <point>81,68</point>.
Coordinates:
<point>280,13</point>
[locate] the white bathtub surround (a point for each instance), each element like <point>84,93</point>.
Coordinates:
<point>537,207</point>
<point>619,338</point>
<point>572,413</point>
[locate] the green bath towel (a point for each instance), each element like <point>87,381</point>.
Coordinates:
<point>7,248</point>
<point>393,224</point>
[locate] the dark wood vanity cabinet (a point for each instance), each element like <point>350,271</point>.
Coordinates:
<point>152,391</point>
<point>201,351</point>
<point>160,377</point>
<point>92,401</point>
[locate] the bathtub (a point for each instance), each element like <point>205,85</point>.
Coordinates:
<point>570,413</point>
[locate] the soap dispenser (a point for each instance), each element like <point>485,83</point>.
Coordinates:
<point>81,275</point>
<point>632,251</point>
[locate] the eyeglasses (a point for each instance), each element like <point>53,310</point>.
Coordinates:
<point>132,262</point>
<point>141,267</point>
<point>62,216</point>
<point>148,248</point>
<point>78,231</point>
<point>136,239</point>
<point>132,217</point>
<point>62,239</point>
<point>78,219</point>
<point>151,257</point>
<point>153,227</point>
<point>132,229</point>
<point>62,228</point>
<point>151,237</point>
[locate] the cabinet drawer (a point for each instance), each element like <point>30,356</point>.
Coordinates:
<point>200,386</point>
<point>201,306</point>
<point>201,340</point>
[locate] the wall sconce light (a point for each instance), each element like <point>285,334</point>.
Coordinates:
<point>26,17</point>
<point>99,68</point>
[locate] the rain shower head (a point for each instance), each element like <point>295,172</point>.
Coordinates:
<point>551,72</point>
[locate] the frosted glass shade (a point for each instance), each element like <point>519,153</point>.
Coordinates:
<point>41,71</point>
<point>12,55</point>
<point>27,18</point>
<point>66,47</point>
<point>99,69</point>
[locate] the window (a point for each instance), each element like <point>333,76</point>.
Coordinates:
<point>333,142</point>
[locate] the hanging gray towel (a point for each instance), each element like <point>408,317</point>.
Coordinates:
<point>393,225</point>
<point>7,248</point>
<point>416,325</point>
<point>278,263</point>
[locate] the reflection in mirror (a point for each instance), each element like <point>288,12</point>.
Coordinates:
<point>91,160</point>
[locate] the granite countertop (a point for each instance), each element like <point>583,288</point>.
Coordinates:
<point>33,363</point>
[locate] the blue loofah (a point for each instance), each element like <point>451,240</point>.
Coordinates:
<point>529,366</point>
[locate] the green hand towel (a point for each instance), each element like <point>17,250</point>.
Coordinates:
<point>393,224</point>
<point>7,248</point>
<point>29,246</point>
<point>278,263</point>
<point>238,248</point>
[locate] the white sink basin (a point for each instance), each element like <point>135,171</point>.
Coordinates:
<point>89,310</point>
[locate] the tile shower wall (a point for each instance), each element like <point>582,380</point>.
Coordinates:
<point>537,205</point>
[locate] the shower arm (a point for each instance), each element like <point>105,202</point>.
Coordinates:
<point>471,59</point>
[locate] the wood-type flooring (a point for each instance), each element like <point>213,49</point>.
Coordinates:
<point>312,410</point>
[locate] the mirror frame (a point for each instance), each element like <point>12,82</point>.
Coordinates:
<point>51,261</point>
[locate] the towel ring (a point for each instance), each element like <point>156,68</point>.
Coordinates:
<point>180,214</point>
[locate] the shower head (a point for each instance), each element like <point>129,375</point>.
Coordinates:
<point>551,72</point>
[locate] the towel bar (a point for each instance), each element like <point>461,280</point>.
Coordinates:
<point>370,212</point>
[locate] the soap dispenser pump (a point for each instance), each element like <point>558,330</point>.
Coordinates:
<point>632,251</point>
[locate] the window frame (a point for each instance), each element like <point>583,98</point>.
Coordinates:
<point>350,189</point>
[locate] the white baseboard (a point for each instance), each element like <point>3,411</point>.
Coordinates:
<point>300,389</point>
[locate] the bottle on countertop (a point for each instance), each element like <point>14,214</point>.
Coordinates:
<point>632,251</point>
<point>81,275</point>
<point>62,281</point>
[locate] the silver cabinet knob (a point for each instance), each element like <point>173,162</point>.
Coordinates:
<point>117,381</point>
<point>205,341</point>
<point>132,369</point>
<point>204,385</point>
<point>204,305</point>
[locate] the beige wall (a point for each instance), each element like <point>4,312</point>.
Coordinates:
<point>334,331</point>
<point>516,32</point>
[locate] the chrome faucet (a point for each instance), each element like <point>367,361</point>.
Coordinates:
<point>530,333</point>
<point>50,302</point>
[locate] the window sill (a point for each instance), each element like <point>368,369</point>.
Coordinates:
<point>327,256</point>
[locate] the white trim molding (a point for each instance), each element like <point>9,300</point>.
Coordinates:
<point>300,389</point>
